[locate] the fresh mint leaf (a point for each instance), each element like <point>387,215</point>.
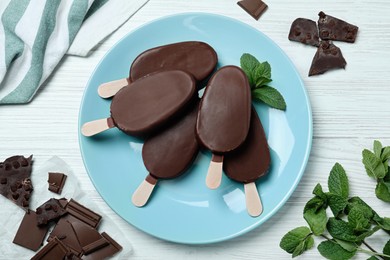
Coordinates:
<point>357,201</point>
<point>262,74</point>
<point>382,190</point>
<point>359,219</point>
<point>296,239</point>
<point>385,155</point>
<point>384,223</point>
<point>304,245</point>
<point>338,181</point>
<point>270,96</point>
<point>315,215</point>
<point>341,230</point>
<point>386,250</point>
<point>248,64</point>
<point>372,258</point>
<point>349,246</point>
<point>336,203</point>
<point>319,192</point>
<point>377,148</point>
<point>333,251</point>
<point>366,234</point>
<point>262,81</point>
<point>373,164</point>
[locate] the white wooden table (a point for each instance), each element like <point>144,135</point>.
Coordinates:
<point>351,108</point>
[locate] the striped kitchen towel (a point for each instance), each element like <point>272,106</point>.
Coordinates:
<point>36,34</point>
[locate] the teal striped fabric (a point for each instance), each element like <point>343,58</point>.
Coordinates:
<point>34,36</point>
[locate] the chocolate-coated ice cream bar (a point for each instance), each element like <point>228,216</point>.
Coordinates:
<point>223,117</point>
<point>249,162</point>
<point>147,104</point>
<point>168,154</point>
<point>196,58</point>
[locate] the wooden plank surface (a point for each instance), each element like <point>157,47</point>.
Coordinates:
<point>351,108</point>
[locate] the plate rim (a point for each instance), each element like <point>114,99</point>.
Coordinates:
<point>307,148</point>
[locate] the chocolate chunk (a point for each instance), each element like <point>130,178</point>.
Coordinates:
<point>56,182</point>
<point>327,57</point>
<point>15,183</point>
<point>53,250</point>
<point>89,239</point>
<point>196,58</point>
<point>252,159</point>
<point>29,235</point>
<point>78,211</point>
<point>106,251</point>
<point>65,232</point>
<point>304,31</point>
<point>332,28</point>
<point>49,211</point>
<point>149,103</point>
<point>253,7</point>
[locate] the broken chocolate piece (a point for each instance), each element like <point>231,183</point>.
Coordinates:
<point>106,251</point>
<point>327,57</point>
<point>71,256</point>
<point>332,28</point>
<point>304,31</point>
<point>15,183</point>
<point>66,234</point>
<point>49,211</point>
<point>82,213</point>
<point>255,8</point>
<point>29,235</point>
<point>89,238</point>
<point>53,250</point>
<point>56,182</point>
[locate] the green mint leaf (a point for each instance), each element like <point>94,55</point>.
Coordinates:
<point>341,230</point>
<point>377,148</point>
<point>315,215</point>
<point>372,258</point>
<point>270,96</point>
<point>386,250</point>
<point>262,81</point>
<point>359,219</point>
<point>373,164</point>
<point>384,223</point>
<point>385,155</point>
<point>248,64</point>
<point>349,246</point>
<point>319,192</point>
<point>338,181</point>
<point>303,246</point>
<point>366,234</point>
<point>357,201</point>
<point>382,190</point>
<point>292,240</point>
<point>336,203</point>
<point>333,251</point>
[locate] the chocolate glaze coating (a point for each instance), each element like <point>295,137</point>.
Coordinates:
<point>168,154</point>
<point>146,104</point>
<point>197,58</point>
<point>327,57</point>
<point>225,111</point>
<point>252,159</point>
<point>304,31</point>
<point>332,28</point>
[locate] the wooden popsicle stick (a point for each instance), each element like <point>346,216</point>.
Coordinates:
<point>142,194</point>
<point>97,126</point>
<point>253,201</point>
<point>109,89</point>
<point>214,174</point>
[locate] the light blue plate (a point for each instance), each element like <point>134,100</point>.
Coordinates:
<point>184,210</point>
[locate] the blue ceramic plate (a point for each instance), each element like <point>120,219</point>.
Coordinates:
<point>184,210</point>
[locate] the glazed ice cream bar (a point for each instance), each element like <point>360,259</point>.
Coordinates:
<point>223,117</point>
<point>147,104</point>
<point>196,58</point>
<point>168,154</point>
<point>249,162</point>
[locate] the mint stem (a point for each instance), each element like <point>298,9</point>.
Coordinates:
<point>369,247</point>
<point>324,236</point>
<point>372,253</point>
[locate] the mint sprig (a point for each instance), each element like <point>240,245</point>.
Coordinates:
<point>259,75</point>
<point>376,163</point>
<point>353,219</point>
